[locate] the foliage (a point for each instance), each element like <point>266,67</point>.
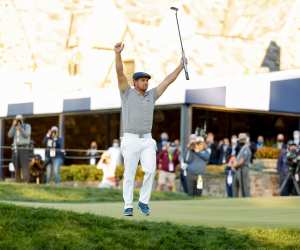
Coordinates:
<point>267,153</point>
<point>91,173</point>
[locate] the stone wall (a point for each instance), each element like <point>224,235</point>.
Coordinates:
<point>261,184</point>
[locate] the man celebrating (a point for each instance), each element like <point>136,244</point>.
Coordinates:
<point>137,118</point>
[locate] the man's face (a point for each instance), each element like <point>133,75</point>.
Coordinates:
<point>280,138</point>
<point>141,83</point>
<point>226,141</point>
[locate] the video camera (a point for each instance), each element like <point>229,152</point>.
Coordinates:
<point>293,160</point>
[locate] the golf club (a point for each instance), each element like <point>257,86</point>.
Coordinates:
<point>182,50</point>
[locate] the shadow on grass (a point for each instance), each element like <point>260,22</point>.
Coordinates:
<point>29,228</point>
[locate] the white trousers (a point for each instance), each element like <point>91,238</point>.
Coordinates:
<point>135,149</point>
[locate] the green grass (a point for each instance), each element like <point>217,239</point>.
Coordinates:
<point>43,193</point>
<point>32,228</point>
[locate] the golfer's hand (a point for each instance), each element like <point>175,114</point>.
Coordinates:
<point>119,47</point>
<point>184,61</point>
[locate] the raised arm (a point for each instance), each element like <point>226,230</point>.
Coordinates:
<point>122,80</point>
<point>169,79</point>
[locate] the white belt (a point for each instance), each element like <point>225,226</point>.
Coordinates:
<point>131,135</point>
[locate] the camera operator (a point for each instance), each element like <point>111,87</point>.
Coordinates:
<point>20,132</point>
<point>54,154</point>
<point>288,167</point>
<point>197,157</point>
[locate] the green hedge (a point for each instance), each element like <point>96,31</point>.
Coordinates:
<point>91,173</point>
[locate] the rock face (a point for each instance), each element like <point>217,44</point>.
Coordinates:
<point>220,37</point>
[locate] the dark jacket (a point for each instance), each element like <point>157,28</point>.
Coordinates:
<point>282,166</point>
<point>197,161</point>
<point>224,154</point>
<point>56,144</point>
<point>213,158</point>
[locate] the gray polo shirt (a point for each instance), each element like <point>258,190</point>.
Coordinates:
<point>245,153</point>
<point>137,111</point>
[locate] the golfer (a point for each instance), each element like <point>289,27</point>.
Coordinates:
<point>137,118</point>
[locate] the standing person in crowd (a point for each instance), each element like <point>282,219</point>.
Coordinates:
<point>260,142</point>
<point>229,173</point>
<point>164,139</point>
<point>224,150</point>
<point>168,159</point>
<point>21,134</point>
<point>210,142</point>
<point>115,153</point>
<point>279,142</point>
<point>252,146</point>
<point>235,147</point>
<point>109,171</point>
<point>283,168</point>
<point>296,136</point>
<point>184,165</point>
<point>93,153</point>
<point>196,158</point>
<point>54,155</point>
<point>241,166</point>
<point>137,119</point>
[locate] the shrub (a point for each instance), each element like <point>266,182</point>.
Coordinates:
<point>267,153</point>
<point>91,173</point>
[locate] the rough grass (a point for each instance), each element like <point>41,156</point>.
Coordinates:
<point>31,228</point>
<point>43,193</point>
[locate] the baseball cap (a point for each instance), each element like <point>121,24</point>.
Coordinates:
<point>19,117</point>
<point>54,128</point>
<point>291,142</point>
<point>199,139</point>
<point>242,137</point>
<point>138,75</point>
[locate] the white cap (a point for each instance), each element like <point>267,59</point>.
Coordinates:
<point>54,128</point>
<point>19,117</point>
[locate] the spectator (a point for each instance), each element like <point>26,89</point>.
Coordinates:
<point>168,159</point>
<point>260,142</point>
<point>54,156</point>
<point>197,158</point>
<point>213,148</point>
<point>279,142</point>
<point>37,170</point>
<point>235,147</point>
<point>241,166</point>
<point>252,146</point>
<point>229,173</point>
<point>224,150</point>
<point>93,153</point>
<point>115,154</point>
<point>164,138</point>
<point>283,169</point>
<point>21,133</point>
<point>296,136</point>
<point>108,179</point>
<point>183,165</point>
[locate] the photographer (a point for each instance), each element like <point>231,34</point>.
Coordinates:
<point>54,154</point>
<point>20,132</point>
<point>288,169</point>
<point>196,158</point>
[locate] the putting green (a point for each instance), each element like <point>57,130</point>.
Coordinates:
<point>275,212</point>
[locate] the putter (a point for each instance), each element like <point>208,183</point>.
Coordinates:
<point>182,50</point>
